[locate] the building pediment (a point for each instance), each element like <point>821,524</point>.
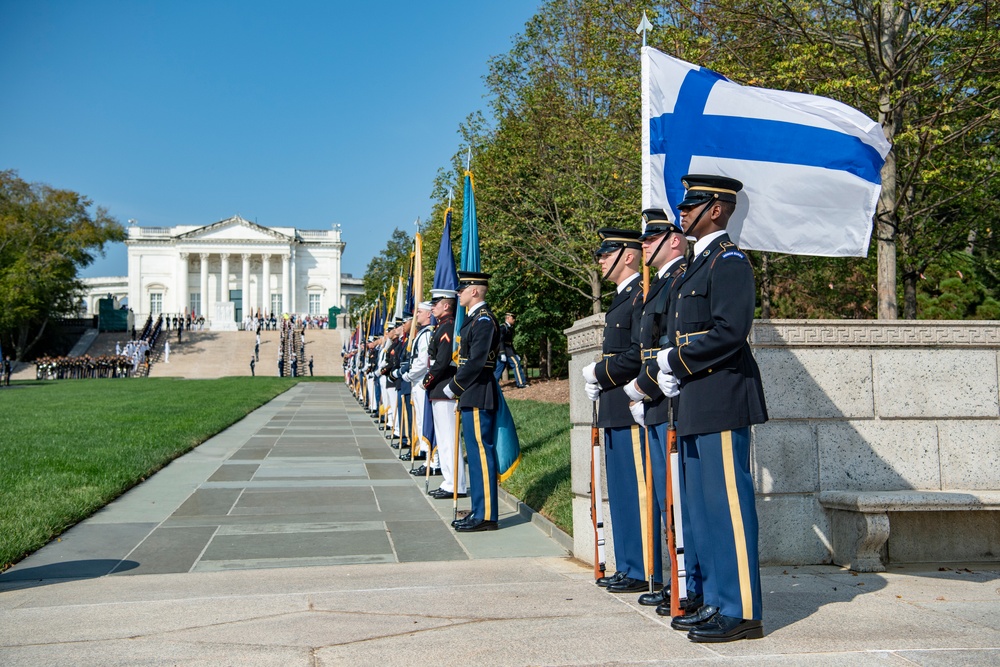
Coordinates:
<point>234,229</point>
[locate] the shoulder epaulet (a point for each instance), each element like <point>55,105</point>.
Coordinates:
<point>730,249</point>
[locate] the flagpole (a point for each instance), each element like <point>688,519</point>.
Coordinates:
<point>644,26</point>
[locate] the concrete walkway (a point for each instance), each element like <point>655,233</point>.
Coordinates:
<point>296,537</point>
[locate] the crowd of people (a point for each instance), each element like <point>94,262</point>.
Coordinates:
<point>263,322</point>
<point>75,368</point>
<point>125,362</point>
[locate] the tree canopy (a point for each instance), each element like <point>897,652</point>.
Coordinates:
<point>46,236</point>
<point>556,151</point>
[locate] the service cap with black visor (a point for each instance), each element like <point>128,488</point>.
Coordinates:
<point>706,189</point>
<point>614,241</point>
<point>655,223</point>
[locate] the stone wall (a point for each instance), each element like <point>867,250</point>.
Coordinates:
<point>854,406</point>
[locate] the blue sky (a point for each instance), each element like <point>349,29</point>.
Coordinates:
<point>302,114</point>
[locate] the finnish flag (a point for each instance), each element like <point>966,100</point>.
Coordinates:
<point>810,166</point>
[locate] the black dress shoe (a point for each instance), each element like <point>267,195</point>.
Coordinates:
<point>418,471</point>
<point>604,582</point>
<point>686,623</point>
<point>691,605</point>
<point>405,457</point>
<point>422,456</point>
<point>441,494</point>
<point>628,585</point>
<point>392,444</point>
<point>688,606</point>
<point>660,597</point>
<point>726,629</point>
<point>468,518</point>
<point>476,526</point>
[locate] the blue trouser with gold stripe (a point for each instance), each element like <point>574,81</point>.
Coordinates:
<point>625,457</point>
<point>658,452</point>
<point>514,362</point>
<point>477,428</point>
<point>720,498</point>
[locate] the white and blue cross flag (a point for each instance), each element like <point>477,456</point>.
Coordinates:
<point>810,166</point>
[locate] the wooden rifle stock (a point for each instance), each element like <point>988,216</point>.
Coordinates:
<point>675,535</point>
<point>596,502</point>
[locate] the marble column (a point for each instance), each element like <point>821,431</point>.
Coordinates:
<point>265,287</point>
<point>247,303</point>
<point>224,278</point>
<point>286,283</point>
<point>182,285</point>
<point>204,285</point>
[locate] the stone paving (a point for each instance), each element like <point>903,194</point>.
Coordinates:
<point>296,537</point>
<point>306,480</point>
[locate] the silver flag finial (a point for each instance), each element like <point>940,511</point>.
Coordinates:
<point>644,26</point>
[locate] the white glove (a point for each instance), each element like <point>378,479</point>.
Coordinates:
<point>633,392</point>
<point>663,360</point>
<point>503,358</point>
<point>448,392</point>
<point>638,413</point>
<point>590,373</point>
<point>668,384</point>
<point>592,390</point>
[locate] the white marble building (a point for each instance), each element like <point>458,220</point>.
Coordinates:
<point>229,268</point>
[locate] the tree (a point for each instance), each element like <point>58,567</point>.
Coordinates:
<point>46,236</point>
<point>560,160</point>
<point>928,72</point>
<point>384,269</point>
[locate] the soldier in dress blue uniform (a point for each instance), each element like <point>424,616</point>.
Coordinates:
<point>619,256</point>
<point>508,355</point>
<point>721,396</point>
<point>664,248</point>
<point>478,398</point>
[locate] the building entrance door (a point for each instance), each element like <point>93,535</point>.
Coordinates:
<point>236,296</point>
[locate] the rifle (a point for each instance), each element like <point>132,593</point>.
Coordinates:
<point>596,501</point>
<point>675,533</point>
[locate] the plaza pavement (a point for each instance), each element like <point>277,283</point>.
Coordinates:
<point>296,537</point>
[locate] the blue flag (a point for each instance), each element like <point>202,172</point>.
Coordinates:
<point>504,432</point>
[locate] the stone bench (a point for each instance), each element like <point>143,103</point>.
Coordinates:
<point>860,519</point>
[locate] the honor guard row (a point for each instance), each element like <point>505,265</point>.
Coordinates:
<point>417,392</point>
<point>677,357</point>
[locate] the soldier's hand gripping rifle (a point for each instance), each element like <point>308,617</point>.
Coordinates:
<point>675,533</point>
<point>596,501</point>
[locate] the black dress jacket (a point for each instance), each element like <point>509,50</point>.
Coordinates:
<point>720,382</point>
<point>621,356</point>
<point>439,351</point>
<point>474,384</point>
<point>657,320</point>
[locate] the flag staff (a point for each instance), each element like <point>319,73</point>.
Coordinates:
<point>648,548</point>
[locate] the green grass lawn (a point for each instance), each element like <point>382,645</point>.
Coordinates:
<point>542,481</point>
<point>68,448</point>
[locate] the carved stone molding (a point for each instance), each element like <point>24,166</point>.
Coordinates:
<point>585,334</point>
<point>855,333</point>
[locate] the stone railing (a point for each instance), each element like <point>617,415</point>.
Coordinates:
<point>854,406</point>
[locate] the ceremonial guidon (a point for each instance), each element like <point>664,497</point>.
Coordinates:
<point>721,396</point>
<point>478,399</point>
<point>664,247</point>
<point>624,442</point>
